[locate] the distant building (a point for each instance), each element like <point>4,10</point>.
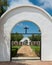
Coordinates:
<point>25,41</point>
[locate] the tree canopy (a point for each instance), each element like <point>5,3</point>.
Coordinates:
<point>16,37</point>
<point>3,6</point>
<point>34,37</point>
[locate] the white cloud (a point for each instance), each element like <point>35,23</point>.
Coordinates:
<point>20,24</point>
<point>46,3</point>
<point>15,3</point>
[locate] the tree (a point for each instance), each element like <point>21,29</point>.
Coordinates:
<point>34,37</point>
<point>3,6</point>
<point>19,36</point>
<point>38,37</point>
<point>16,37</point>
<point>13,37</point>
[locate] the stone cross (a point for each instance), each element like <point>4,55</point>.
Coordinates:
<point>26,29</point>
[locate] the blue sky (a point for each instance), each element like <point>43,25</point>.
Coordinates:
<point>33,28</point>
<point>19,28</point>
<point>45,4</point>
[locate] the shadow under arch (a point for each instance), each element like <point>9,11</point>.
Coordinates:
<point>30,33</point>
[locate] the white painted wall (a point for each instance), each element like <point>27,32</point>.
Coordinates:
<point>29,13</point>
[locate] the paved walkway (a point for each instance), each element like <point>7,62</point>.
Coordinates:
<point>36,62</point>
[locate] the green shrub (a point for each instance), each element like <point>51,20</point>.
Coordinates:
<point>37,50</point>
<point>16,47</point>
<point>13,52</point>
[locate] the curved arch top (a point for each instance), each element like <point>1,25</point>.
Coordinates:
<point>42,11</point>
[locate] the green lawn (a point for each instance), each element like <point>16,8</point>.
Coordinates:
<point>34,48</point>
<point>16,47</point>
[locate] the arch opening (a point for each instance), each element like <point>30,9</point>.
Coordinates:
<point>26,35</point>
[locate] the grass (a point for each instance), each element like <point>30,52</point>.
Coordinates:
<point>16,47</point>
<point>36,49</point>
<point>33,47</point>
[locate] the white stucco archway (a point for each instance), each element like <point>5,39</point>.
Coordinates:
<point>31,13</point>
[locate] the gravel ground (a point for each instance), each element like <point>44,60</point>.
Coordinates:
<point>26,51</point>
